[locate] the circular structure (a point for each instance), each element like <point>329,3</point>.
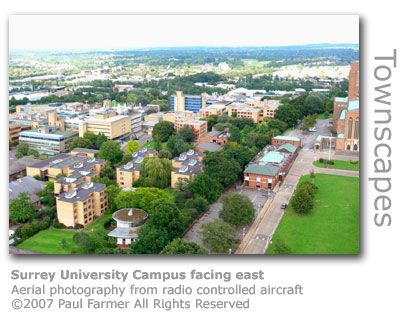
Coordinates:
<point>128,221</point>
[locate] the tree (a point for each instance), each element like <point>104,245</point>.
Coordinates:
<point>100,140</point>
<point>280,247</point>
<point>158,171</point>
<point>104,180</point>
<point>150,240</point>
<point>92,138</point>
<point>84,241</point>
<point>237,209</point>
<point>20,208</point>
<point>125,159</point>
<point>219,168</point>
<point>112,190</point>
<point>235,135</point>
<point>110,151</point>
<point>219,236</point>
<point>163,130</point>
<point>165,154</point>
<point>166,216</point>
<point>23,148</point>
<point>33,152</point>
<point>79,142</point>
<point>19,155</point>
<point>142,198</point>
<point>133,145</point>
<point>308,122</point>
<point>182,246</point>
<point>206,187</point>
<point>107,171</point>
<point>186,133</point>
<point>287,113</point>
<point>302,201</point>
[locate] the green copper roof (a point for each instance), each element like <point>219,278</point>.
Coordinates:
<point>341,135</point>
<point>339,99</point>
<point>319,138</point>
<point>263,169</point>
<point>353,105</point>
<point>272,157</point>
<point>342,115</point>
<point>289,147</point>
<point>287,138</point>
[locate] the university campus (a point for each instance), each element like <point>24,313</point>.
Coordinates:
<point>230,150</point>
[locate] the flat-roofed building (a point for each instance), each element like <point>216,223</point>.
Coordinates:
<point>188,170</point>
<point>14,130</point>
<point>82,205</point>
<point>280,140</point>
<point>64,164</point>
<point>182,102</point>
<point>199,127</point>
<point>213,109</point>
<point>244,111</point>
<point>47,140</point>
<point>131,171</point>
<point>177,162</point>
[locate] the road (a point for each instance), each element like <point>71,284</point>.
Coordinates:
<point>262,230</point>
<point>308,138</point>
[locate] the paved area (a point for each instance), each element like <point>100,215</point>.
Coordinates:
<point>258,198</point>
<point>323,129</point>
<point>262,230</point>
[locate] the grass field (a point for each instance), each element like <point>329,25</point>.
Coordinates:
<point>49,242</point>
<point>321,116</point>
<point>333,225</point>
<point>151,145</point>
<point>339,164</point>
<point>98,224</point>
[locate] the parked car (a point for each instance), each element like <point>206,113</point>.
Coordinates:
<point>313,129</point>
<point>283,206</point>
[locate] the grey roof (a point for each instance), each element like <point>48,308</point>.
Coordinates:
<point>214,133</point>
<point>189,169</point>
<point>262,168</point>
<point>189,155</point>
<point>124,233</point>
<point>25,184</point>
<point>19,165</point>
<point>210,146</point>
<point>81,193</point>
<point>46,162</point>
<point>85,150</point>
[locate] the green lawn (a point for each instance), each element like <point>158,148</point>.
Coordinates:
<point>151,145</point>
<point>98,224</point>
<point>339,164</point>
<point>322,116</point>
<point>333,225</point>
<point>49,242</point>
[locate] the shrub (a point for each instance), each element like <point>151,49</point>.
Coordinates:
<point>57,224</point>
<point>280,247</point>
<point>302,201</point>
<point>321,160</point>
<point>44,223</point>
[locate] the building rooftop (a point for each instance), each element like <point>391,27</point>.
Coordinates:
<point>262,168</point>
<point>46,162</point>
<point>287,146</point>
<point>210,146</point>
<point>25,184</point>
<point>130,215</point>
<point>353,105</point>
<point>82,192</point>
<point>19,165</point>
<point>287,138</point>
<point>85,150</point>
<point>272,157</point>
<point>339,99</point>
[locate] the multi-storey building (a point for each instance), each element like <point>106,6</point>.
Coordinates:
<point>213,141</point>
<point>47,140</point>
<point>14,130</point>
<point>131,171</point>
<point>82,205</point>
<point>66,164</point>
<point>182,102</point>
<point>186,166</point>
<point>270,166</point>
<point>345,118</point>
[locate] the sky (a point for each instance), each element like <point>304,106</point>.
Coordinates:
<point>62,32</point>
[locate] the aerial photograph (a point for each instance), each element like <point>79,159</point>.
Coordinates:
<point>184,134</point>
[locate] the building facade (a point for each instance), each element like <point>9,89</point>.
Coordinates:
<point>182,102</point>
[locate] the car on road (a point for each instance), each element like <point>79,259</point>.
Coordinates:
<point>283,206</point>
<point>312,129</point>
